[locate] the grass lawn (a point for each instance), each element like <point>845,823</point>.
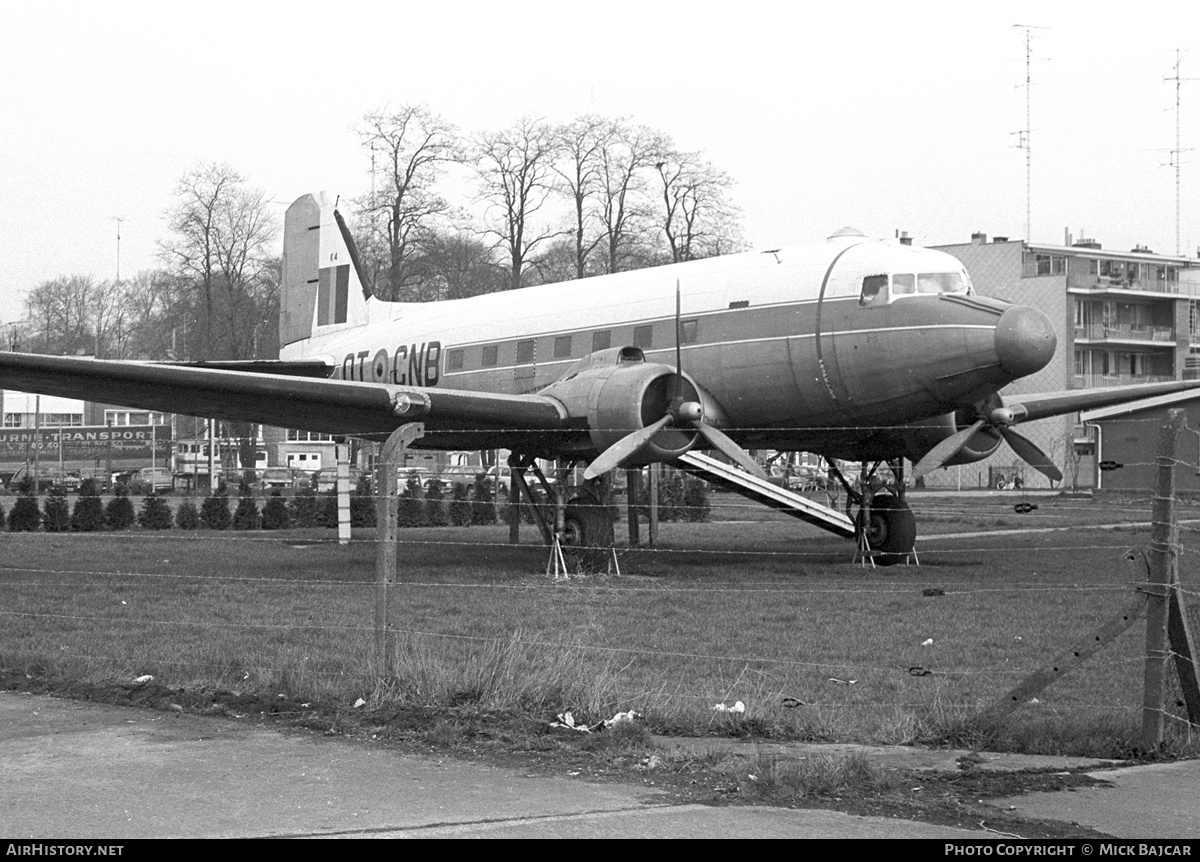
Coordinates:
<point>753,607</point>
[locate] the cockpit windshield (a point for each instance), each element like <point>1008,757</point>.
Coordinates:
<point>902,284</point>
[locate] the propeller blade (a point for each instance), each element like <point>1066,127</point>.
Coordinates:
<point>735,453</point>
<point>626,447</point>
<point>677,383</point>
<point>1031,454</point>
<point>944,451</point>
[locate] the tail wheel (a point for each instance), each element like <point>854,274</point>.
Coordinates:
<point>890,531</point>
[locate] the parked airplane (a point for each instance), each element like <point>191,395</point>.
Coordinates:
<point>854,349</point>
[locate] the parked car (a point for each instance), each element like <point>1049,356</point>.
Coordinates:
<point>152,480</point>
<point>282,479</point>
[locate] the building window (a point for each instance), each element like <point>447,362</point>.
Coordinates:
<point>14,420</point>
<point>134,417</point>
<point>491,355</point>
<point>643,336</point>
<point>601,340</point>
<point>295,436</point>
<point>562,347</point>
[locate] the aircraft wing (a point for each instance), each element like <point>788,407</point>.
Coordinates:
<point>1046,404</point>
<point>337,407</point>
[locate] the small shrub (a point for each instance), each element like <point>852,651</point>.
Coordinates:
<point>696,506</point>
<point>483,508</point>
<point>362,504</point>
<point>245,516</point>
<point>155,514</point>
<point>460,506</point>
<point>25,516</point>
<point>275,513</point>
<point>302,508</point>
<point>327,514</point>
<point>214,512</point>
<point>435,506</point>
<point>187,516</point>
<point>118,514</point>
<point>56,512</point>
<point>88,514</point>
<point>412,504</point>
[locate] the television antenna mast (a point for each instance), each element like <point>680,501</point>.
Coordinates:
<point>1025,136</point>
<point>1176,154</point>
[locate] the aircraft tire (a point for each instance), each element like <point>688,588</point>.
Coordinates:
<point>892,530</point>
<point>587,525</point>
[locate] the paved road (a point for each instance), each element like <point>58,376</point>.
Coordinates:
<point>83,770</point>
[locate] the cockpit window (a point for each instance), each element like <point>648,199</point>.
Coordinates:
<point>903,283</point>
<point>872,289</point>
<point>942,282</point>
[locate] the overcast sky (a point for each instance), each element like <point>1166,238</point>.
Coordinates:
<point>896,116</point>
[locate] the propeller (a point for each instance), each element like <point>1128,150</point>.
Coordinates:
<point>1000,419</point>
<point>681,413</point>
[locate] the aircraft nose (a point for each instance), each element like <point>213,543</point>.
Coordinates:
<point>1025,340</point>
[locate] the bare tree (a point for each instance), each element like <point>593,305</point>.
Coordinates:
<point>516,173</point>
<point>626,210</point>
<point>60,315</point>
<point>582,144</point>
<point>409,147</point>
<point>697,218</point>
<point>458,265</point>
<point>219,254</point>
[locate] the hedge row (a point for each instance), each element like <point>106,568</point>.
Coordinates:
<point>417,507</point>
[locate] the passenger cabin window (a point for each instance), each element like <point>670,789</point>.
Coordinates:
<point>491,355</point>
<point>562,346</point>
<point>525,351</point>
<point>643,336</point>
<point>454,360</point>
<point>601,340</point>
<point>688,331</point>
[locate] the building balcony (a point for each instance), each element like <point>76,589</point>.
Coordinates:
<point>1136,332</point>
<point>1107,284</point>
<point>1091,381</point>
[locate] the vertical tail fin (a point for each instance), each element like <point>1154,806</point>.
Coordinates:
<point>323,284</point>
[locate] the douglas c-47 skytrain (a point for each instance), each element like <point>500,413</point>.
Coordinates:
<point>850,348</point>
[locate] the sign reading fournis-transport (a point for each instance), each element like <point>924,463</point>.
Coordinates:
<point>79,442</point>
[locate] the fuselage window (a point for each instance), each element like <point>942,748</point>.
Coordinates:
<point>940,282</point>
<point>872,289</point>
<point>601,340</point>
<point>525,351</point>
<point>903,283</point>
<point>454,360</point>
<point>491,355</point>
<point>688,331</point>
<point>643,336</point>
<point>562,346</point>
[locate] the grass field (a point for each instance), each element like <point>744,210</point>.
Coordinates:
<point>753,607</point>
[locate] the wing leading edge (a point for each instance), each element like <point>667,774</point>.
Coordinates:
<point>337,407</point>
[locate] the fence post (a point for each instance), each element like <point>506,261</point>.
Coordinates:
<point>1161,575</point>
<point>386,528</point>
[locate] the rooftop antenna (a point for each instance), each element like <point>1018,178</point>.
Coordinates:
<point>1176,153</point>
<point>118,220</point>
<point>1025,136</point>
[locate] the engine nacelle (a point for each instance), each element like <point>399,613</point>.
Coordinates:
<point>619,393</point>
<point>920,437</point>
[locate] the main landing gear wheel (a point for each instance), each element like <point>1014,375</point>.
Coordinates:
<point>890,531</point>
<point>587,534</point>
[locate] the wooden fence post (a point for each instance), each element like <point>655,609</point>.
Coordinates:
<point>1161,559</point>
